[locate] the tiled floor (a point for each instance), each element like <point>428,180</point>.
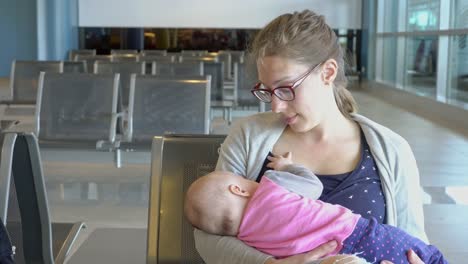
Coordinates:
<point>85,185</point>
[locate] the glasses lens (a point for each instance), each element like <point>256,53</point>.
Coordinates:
<point>263,96</point>
<point>285,94</point>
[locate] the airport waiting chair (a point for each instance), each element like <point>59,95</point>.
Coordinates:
<point>77,108</point>
<point>153,52</point>
<point>175,54</point>
<point>24,207</point>
<point>125,69</point>
<point>219,99</point>
<point>245,79</point>
<point>177,69</point>
<point>151,61</point>
<point>124,57</point>
<point>216,71</point>
<point>24,79</point>
<point>226,58</point>
<point>91,59</point>
<point>186,58</point>
<point>194,52</point>
<point>123,51</point>
<point>72,53</point>
<point>177,161</point>
<point>167,104</point>
<point>75,66</point>
<point>157,58</point>
<point>236,56</point>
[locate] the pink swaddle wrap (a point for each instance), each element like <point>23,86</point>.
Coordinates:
<point>281,223</point>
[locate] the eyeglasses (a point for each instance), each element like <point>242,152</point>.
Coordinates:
<point>284,93</point>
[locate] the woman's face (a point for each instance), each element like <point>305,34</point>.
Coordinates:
<point>312,96</point>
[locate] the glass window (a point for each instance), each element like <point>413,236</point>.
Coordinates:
<point>458,70</point>
<point>461,13</point>
<point>421,65</point>
<point>389,60</point>
<point>391,16</point>
<point>423,15</point>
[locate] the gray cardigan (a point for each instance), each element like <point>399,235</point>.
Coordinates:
<point>252,138</point>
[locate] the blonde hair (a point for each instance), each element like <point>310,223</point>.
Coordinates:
<point>306,38</point>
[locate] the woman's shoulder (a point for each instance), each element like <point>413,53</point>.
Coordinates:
<point>377,134</point>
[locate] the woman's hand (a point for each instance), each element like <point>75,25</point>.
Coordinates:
<point>304,258</point>
<point>413,258</point>
<point>278,162</point>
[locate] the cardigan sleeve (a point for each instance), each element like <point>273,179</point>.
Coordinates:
<point>408,194</point>
<point>233,152</point>
<point>214,249</point>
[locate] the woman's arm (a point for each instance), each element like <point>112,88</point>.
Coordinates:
<point>408,194</point>
<point>233,151</point>
<point>225,249</point>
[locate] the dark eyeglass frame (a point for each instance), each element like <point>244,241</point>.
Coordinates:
<point>291,87</point>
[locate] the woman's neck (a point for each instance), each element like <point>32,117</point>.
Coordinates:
<point>333,127</point>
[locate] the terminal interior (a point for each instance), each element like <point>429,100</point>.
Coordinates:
<point>110,157</point>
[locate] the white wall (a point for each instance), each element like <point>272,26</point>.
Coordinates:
<point>210,13</point>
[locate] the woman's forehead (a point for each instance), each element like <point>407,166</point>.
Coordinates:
<point>279,64</point>
<point>275,69</point>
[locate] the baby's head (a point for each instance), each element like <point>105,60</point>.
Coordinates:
<point>215,202</point>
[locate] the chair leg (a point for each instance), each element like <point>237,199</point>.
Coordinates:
<point>68,243</point>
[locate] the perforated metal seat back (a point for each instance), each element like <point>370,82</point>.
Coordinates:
<point>125,57</point>
<point>26,78</point>
<point>125,69</point>
<point>216,70</point>
<point>166,105</point>
<point>75,66</point>
<point>91,59</point>
<point>186,58</point>
<point>194,52</point>
<point>246,79</point>
<point>77,107</point>
<point>123,51</point>
<point>177,69</point>
<point>177,161</point>
<point>157,58</point>
<point>72,53</point>
<point>153,52</point>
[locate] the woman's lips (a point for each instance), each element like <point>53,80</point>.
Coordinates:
<point>290,120</point>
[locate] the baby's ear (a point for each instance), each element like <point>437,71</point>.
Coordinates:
<point>237,190</point>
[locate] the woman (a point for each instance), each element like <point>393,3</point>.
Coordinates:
<point>362,165</point>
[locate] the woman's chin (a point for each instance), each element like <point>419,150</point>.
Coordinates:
<point>301,127</point>
<point>298,127</point>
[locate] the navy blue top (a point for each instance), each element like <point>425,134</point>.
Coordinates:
<point>359,190</point>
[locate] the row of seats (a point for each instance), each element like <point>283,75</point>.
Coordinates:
<point>75,52</point>
<point>177,160</point>
<point>227,56</point>
<point>88,110</point>
<point>24,76</point>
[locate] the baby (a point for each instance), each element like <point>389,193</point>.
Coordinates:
<point>281,216</point>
